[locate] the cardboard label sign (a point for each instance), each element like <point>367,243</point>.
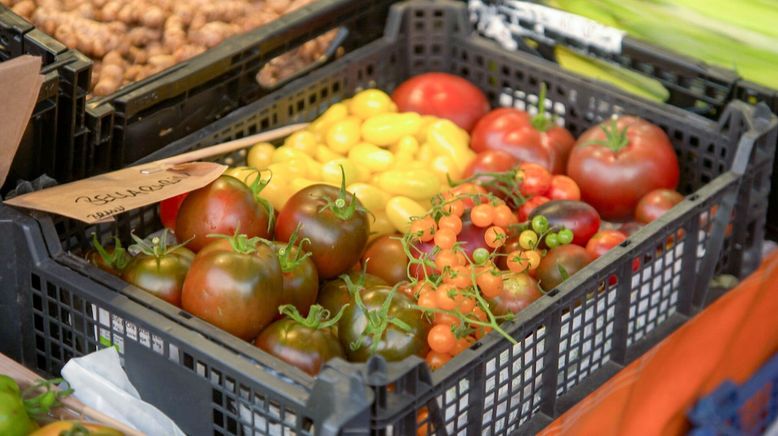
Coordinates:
<point>20,84</point>
<point>99,198</point>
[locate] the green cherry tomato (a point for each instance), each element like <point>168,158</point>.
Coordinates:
<point>552,240</point>
<point>480,255</point>
<point>540,224</point>
<point>565,236</point>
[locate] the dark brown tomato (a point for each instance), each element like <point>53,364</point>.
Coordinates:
<point>577,216</point>
<point>385,258</point>
<point>561,263</point>
<point>304,347</point>
<point>237,291</point>
<point>161,276</point>
<point>221,207</point>
<point>334,222</point>
<point>395,344</point>
<point>301,281</point>
<point>519,290</point>
<point>334,294</point>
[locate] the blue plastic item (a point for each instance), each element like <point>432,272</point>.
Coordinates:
<point>748,409</point>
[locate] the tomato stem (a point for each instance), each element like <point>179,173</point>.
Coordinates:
<point>291,255</point>
<point>346,204</point>
<point>507,182</point>
<point>615,138</point>
<point>542,122</point>
<point>241,243</point>
<point>256,187</point>
<point>42,403</point>
<point>157,247</point>
<point>318,317</point>
<point>117,260</point>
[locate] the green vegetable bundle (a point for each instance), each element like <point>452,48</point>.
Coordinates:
<point>741,34</point>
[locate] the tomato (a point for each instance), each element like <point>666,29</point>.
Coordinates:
<point>159,270</point>
<point>490,161</point>
<point>334,294</point>
<point>442,95</point>
<point>395,343</point>
<point>168,210</point>
<point>334,222</point>
<point>519,290</point>
<point>534,180</point>
<point>236,285</point>
<point>577,216</point>
<point>385,258</point>
<point>564,188</point>
<point>617,162</point>
<point>305,343</point>
<point>526,210</point>
<point>222,207</point>
<point>301,280</point>
<point>655,204</point>
<point>560,263</point>
<point>58,428</point>
<point>112,259</point>
<point>528,140</point>
<point>603,241</point>
<point>471,237</point>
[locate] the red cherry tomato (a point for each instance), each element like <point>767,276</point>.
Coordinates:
<point>526,138</point>
<point>168,210</point>
<point>442,95</point>
<point>535,180</point>
<point>617,162</point>
<point>564,188</point>
<point>603,241</point>
<point>526,209</point>
<point>655,204</point>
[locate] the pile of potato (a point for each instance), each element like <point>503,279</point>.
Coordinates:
<point>131,40</point>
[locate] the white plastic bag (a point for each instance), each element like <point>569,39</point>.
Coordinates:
<point>100,382</point>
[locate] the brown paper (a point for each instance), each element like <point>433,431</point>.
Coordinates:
<point>99,198</point>
<point>20,84</point>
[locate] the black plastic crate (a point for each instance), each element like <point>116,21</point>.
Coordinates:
<point>692,84</point>
<point>569,341</point>
<point>55,140</point>
<point>144,116</point>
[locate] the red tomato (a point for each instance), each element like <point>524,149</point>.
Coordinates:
<point>442,95</point>
<point>617,162</point>
<point>603,241</point>
<point>490,161</point>
<point>221,207</point>
<point>535,180</point>
<point>168,210</point>
<point>655,204</point>
<point>526,209</point>
<point>526,138</point>
<point>577,216</point>
<point>385,258</point>
<point>564,188</point>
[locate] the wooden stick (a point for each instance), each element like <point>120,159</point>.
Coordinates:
<point>229,146</point>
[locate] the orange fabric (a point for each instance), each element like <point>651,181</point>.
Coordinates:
<point>731,339</point>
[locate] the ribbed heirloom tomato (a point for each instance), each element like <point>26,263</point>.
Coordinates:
<point>535,140</point>
<point>619,161</point>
